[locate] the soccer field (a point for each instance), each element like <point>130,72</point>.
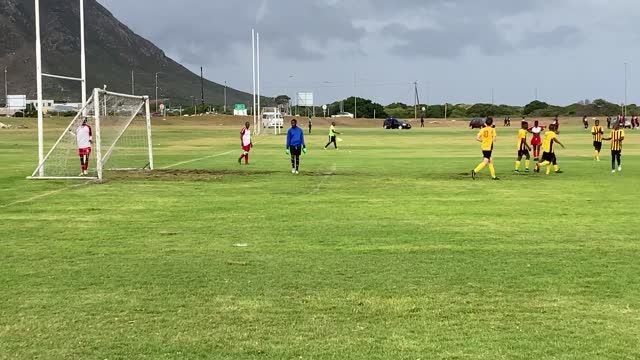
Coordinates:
<point>385,249</point>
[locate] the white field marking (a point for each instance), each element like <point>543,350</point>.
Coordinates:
<point>48,193</point>
<point>324,178</point>
<point>199,159</point>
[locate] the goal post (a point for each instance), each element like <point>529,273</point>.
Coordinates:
<point>120,129</point>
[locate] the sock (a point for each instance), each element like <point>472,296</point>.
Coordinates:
<point>527,163</point>
<point>613,162</point>
<point>293,162</point>
<point>517,165</point>
<point>297,162</point>
<point>548,169</point>
<point>246,159</point>
<point>241,156</point>
<point>597,154</point>
<point>556,168</point>
<point>544,163</point>
<point>479,167</point>
<point>492,170</point>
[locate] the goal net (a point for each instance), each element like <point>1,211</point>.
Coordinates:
<point>112,132</point>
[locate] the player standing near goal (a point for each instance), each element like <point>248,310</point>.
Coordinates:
<point>486,136</point>
<point>245,142</point>
<point>597,132</point>
<point>536,140</point>
<point>84,137</point>
<point>295,145</point>
<point>617,137</point>
<point>523,148</point>
<point>548,152</point>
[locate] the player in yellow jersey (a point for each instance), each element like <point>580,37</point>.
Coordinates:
<point>597,133</point>
<point>486,136</point>
<point>523,148</point>
<point>548,151</point>
<point>617,137</point>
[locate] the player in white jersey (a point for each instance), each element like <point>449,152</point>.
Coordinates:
<point>245,142</point>
<point>84,137</point>
<point>536,140</point>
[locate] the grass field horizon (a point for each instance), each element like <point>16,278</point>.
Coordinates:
<point>384,249</point>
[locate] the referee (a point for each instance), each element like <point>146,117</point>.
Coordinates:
<point>332,136</point>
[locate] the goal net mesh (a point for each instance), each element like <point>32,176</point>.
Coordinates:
<point>123,138</point>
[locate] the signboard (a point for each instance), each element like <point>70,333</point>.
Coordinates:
<point>305,99</point>
<point>18,102</point>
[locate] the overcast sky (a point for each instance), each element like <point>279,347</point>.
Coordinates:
<point>459,51</point>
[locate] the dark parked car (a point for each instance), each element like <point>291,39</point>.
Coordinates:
<point>477,123</point>
<point>392,123</point>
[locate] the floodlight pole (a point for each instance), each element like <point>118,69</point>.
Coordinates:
<point>225,97</point>
<point>625,90</point>
<point>133,82</point>
<point>157,92</point>
<point>259,128</point>
<point>6,89</point>
<point>83,65</point>
<point>39,89</point>
<point>253,70</point>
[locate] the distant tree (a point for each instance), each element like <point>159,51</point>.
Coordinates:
<point>533,106</point>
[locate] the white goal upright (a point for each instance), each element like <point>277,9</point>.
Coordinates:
<point>121,139</point>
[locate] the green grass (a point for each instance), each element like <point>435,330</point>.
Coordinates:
<point>384,249</point>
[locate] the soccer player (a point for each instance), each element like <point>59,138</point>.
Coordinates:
<point>597,132</point>
<point>617,137</point>
<point>536,140</point>
<point>486,136</point>
<point>585,122</point>
<point>310,125</point>
<point>245,142</point>
<point>295,145</point>
<point>332,136</point>
<point>523,147</point>
<point>548,152</point>
<point>84,138</point>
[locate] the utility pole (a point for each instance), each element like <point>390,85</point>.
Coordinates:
<point>416,100</point>
<point>225,97</point>
<point>133,87</point>
<point>6,91</point>
<point>202,87</point>
<point>157,92</point>
<point>355,97</point>
<point>625,90</point>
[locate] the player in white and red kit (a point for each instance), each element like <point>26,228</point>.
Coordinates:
<point>84,137</point>
<point>245,141</point>
<point>536,140</point>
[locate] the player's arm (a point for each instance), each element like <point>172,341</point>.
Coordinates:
<point>559,143</point>
<point>479,137</point>
<point>90,134</point>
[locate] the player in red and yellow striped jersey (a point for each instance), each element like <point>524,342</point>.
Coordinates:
<point>523,148</point>
<point>486,136</point>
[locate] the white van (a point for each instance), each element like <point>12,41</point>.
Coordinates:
<point>272,118</point>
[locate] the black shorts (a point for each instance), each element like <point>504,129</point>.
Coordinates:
<point>550,157</point>
<point>616,152</point>
<point>295,150</point>
<point>332,139</point>
<point>597,145</point>
<point>487,154</point>
<point>524,153</point>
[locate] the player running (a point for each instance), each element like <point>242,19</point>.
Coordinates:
<point>245,142</point>
<point>295,145</point>
<point>486,136</point>
<point>597,133</point>
<point>523,148</point>
<point>332,136</point>
<point>548,152</point>
<point>536,140</point>
<point>84,138</point>
<point>617,137</point>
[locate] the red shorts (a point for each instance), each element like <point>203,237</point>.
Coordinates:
<point>536,140</point>
<point>246,147</point>
<point>84,151</point>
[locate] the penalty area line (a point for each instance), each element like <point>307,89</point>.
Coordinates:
<point>196,160</point>
<point>46,194</point>
<point>324,179</point>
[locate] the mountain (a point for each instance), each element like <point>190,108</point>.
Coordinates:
<point>112,52</point>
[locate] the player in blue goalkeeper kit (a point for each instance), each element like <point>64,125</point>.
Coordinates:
<point>295,145</point>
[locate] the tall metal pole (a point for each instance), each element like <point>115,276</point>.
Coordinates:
<point>415,100</point>
<point>133,86</point>
<point>6,89</point>
<point>225,97</point>
<point>202,88</point>
<point>355,97</point>
<point>39,89</point>
<point>253,70</point>
<point>156,92</point>
<point>83,65</point>
<point>625,90</point>
<point>258,128</point>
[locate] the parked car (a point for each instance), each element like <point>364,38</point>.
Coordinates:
<point>343,115</point>
<point>392,123</point>
<point>477,123</point>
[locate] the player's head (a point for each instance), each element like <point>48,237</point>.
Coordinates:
<point>552,127</point>
<point>294,123</point>
<point>525,125</point>
<point>597,122</point>
<point>616,125</point>
<point>84,120</point>
<point>536,123</point>
<point>333,123</point>
<point>489,121</point>
<point>247,125</point>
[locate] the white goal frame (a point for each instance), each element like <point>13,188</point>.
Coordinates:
<point>100,158</point>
